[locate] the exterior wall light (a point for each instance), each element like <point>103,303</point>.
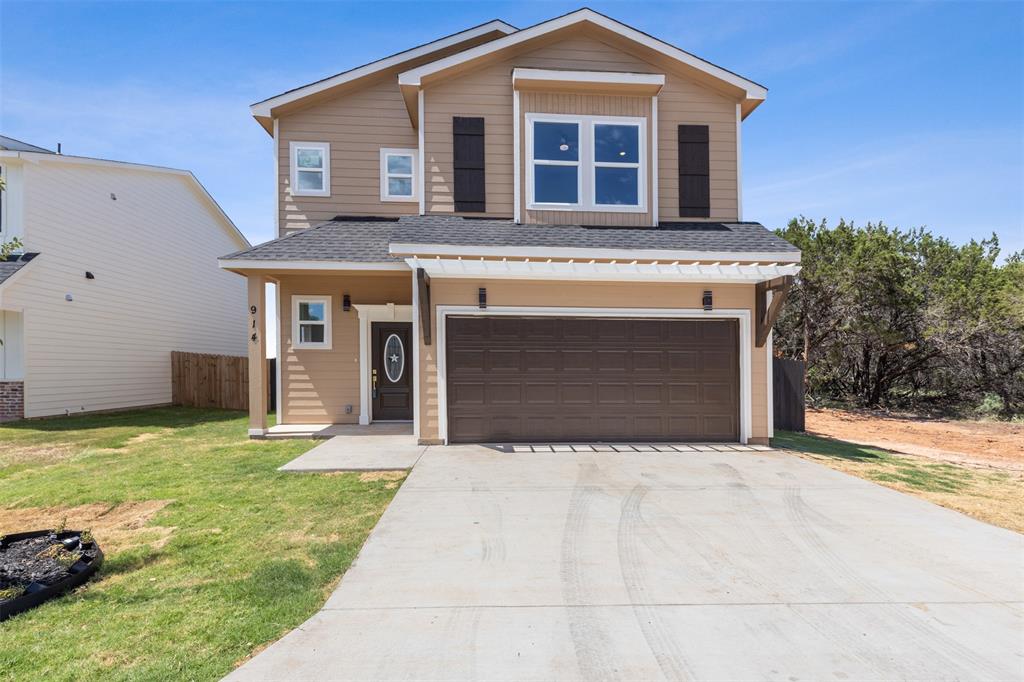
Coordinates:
<point>707,299</point>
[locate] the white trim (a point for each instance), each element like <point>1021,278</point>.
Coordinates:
<point>517,173</point>
<point>265,107</point>
<point>770,364</point>
<point>654,161</point>
<point>421,140</point>
<point>415,76</point>
<point>368,314</point>
<point>325,171</point>
<point>242,264</point>
<point>628,255</point>
<point>188,176</point>
<point>586,164</point>
<point>326,323</point>
<point>596,77</point>
<point>385,152</point>
<point>416,356</point>
<point>745,343</point>
<point>279,360</point>
<point>739,163</point>
<point>600,272</point>
<point>257,432</point>
<point>277,178</point>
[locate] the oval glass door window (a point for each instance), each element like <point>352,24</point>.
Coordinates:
<point>394,358</point>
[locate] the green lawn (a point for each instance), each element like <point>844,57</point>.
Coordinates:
<point>210,552</point>
<point>996,497</point>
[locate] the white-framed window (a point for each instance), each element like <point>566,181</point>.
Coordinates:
<point>311,322</point>
<point>311,169</point>
<point>398,175</point>
<point>586,163</point>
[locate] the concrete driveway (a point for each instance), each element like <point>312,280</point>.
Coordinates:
<point>710,565</point>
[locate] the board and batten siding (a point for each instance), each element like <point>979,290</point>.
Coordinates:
<point>157,287</point>
<point>487,91</point>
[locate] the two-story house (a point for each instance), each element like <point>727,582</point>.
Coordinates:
<point>118,269</point>
<point>520,235</point>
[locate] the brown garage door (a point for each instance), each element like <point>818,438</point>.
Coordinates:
<point>588,379</point>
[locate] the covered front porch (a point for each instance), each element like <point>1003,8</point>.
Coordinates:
<point>331,326</point>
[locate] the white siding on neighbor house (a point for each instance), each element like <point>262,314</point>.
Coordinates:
<point>157,286</point>
<point>12,346</point>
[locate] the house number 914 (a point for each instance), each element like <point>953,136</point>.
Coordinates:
<point>255,333</point>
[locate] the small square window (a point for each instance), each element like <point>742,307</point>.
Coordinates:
<point>398,174</point>
<point>311,169</point>
<point>311,324</point>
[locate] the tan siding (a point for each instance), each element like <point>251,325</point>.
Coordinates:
<point>316,385</point>
<point>684,102</point>
<point>157,287</point>
<point>357,125</point>
<point>590,294</point>
<point>487,91</point>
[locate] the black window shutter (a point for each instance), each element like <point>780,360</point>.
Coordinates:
<point>468,142</point>
<point>694,172</point>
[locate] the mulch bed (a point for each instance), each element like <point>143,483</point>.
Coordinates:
<point>40,565</point>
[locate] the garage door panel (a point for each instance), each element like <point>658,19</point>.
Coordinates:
<point>535,360</point>
<point>613,360</point>
<point>577,393</point>
<point>540,394</point>
<point>503,360</point>
<point>648,394</point>
<point>684,394</point>
<point>530,379</point>
<point>648,360</point>
<point>504,393</point>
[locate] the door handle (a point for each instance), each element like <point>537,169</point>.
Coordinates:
<point>373,379</point>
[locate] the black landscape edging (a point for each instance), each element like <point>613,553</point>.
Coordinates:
<point>37,593</point>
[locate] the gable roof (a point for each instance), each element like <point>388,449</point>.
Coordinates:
<point>186,175</point>
<point>9,144</point>
<point>263,111</point>
<point>753,93</point>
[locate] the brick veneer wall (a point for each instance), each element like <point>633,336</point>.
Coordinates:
<point>12,400</point>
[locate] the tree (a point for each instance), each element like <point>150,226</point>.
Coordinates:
<point>889,317</point>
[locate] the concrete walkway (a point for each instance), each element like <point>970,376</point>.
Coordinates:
<point>378,447</point>
<point>710,565</point>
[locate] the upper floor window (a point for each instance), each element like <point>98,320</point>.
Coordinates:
<point>398,175</point>
<point>311,169</point>
<point>586,163</point>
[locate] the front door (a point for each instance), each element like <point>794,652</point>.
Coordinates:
<point>392,370</point>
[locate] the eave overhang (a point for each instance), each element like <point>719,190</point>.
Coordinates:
<point>603,82</point>
<point>629,271</point>
<point>587,254</point>
<point>750,94</point>
<point>266,110</point>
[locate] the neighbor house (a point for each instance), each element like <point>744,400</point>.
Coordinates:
<point>118,269</point>
<point>519,235</point>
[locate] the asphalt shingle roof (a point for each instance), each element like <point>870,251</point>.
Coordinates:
<point>13,264</point>
<point>682,236</point>
<point>353,240</point>
<point>348,241</point>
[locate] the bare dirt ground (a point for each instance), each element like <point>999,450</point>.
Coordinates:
<point>988,445</point>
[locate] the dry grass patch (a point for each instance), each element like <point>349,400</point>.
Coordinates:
<point>996,497</point>
<point>115,527</point>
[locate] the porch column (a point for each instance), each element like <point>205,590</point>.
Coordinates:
<point>257,356</point>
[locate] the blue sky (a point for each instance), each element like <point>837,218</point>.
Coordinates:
<point>910,113</point>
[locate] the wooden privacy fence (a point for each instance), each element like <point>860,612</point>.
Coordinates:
<point>788,390</point>
<point>201,380</point>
